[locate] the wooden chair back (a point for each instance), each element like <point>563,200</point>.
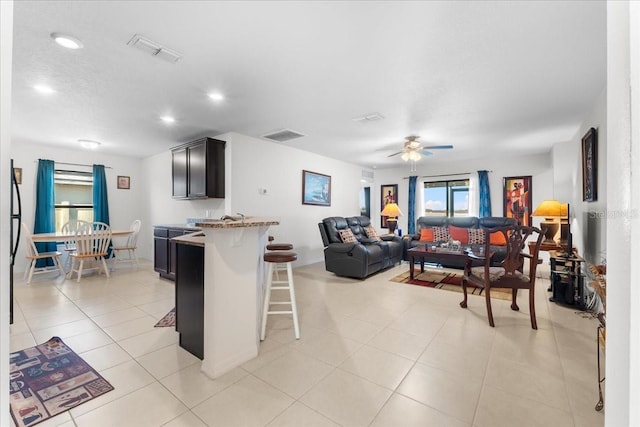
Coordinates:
<point>92,239</point>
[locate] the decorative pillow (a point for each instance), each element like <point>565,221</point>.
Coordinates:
<point>347,236</point>
<point>476,236</point>
<point>497,239</point>
<point>371,232</point>
<point>440,234</point>
<point>459,233</point>
<point>426,235</point>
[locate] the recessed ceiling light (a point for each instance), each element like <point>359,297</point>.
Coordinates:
<point>67,41</point>
<point>168,119</point>
<point>216,96</point>
<point>44,89</point>
<point>88,143</point>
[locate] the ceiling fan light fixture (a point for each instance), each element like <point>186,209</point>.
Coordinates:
<point>414,155</point>
<point>405,156</point>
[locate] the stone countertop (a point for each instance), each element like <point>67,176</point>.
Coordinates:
<point>178,226</point>
<point>194,239</point>
<point>248,222</point>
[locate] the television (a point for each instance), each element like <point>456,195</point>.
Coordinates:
<point>566,236</point>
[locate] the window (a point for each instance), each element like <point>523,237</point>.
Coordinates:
<point>446,198</point>
<point>74,196</point>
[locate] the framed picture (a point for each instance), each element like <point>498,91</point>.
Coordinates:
<point>124,182</point>
<point>17,173</point>
<point>388,194</point>
<point>590,166</point>
<point>316,189</point>
<point>517,199</point>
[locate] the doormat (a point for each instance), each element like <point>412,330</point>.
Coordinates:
<point>49,379</point>
<point>447,280</point>
<point>169,319</point>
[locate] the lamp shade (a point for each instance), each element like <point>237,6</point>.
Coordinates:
<point>391,210</point>
<point>551,209</point>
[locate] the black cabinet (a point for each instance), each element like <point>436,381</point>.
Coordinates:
<point>198,169</point>
<point>567,280</point>
<point>190,298</point>
<point>164,250</point>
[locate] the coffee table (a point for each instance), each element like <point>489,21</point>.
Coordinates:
<point>428,254</point>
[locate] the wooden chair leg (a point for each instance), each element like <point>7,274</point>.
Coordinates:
<point>487,295</point>
<point>32,268</point>
<point>514,297</point>
<point>79,272</point>
<point>532,309</point>
<point>104,266</point>
<point>463,303</point>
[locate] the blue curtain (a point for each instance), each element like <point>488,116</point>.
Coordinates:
<point>485,195</point>
<point>412,205</point>
<point>100,199</point>
<point>45,208</point>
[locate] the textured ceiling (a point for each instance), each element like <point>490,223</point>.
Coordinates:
<point>486,77</point>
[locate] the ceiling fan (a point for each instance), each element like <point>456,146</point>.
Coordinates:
<point>413,149</point>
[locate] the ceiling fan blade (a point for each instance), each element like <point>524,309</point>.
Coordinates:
<point>395,154</point>
<point>437,147</point>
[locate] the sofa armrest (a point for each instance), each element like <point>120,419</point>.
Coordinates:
<point>391,238</point>
<point>342,247</point>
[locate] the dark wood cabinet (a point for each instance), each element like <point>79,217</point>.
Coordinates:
<point>198,169</point>
<point>164,250</point>
<point>190,298</point>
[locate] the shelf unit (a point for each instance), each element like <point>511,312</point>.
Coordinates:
<point>567,279</point>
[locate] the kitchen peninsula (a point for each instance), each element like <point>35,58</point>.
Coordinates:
<point>233,287</point>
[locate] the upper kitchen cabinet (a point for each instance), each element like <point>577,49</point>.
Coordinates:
<point>198,169</point>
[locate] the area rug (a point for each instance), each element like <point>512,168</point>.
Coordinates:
<point>447,280</point>
<point>169,319</point>
<point>49,379</point>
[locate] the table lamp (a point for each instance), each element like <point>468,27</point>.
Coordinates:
<point>392,212</point>
<point>552,211</point>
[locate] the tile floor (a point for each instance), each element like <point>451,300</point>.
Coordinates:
<point>372,353</point>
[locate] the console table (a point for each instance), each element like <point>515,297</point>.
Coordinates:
<point>567,280</point>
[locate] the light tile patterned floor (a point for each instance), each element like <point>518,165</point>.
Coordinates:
<point>372,353</point>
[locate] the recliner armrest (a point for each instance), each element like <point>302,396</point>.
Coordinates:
<point>389,238</point>
<point>342,247</point>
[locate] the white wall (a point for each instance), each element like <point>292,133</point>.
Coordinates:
<point>538,166</point>
<point>125,206</point>
<point>253,164</point>
<point>6,48</point>
<point>588,225</point>
<point>623,232</point>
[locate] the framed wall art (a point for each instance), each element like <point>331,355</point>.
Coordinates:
<point>124,182</point>
<point>517,199</point>
<point>316,189</point>
<point>388,194</point>
<point>590,166</point>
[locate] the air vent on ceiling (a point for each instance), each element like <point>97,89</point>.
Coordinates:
<point>283,135</point>
<point>367,174</point>
<point>154,48</point>
<point>373,117</point>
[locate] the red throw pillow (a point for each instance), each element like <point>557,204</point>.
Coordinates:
<point>426,235</point>
<point>497,239</point>
<point>458,233</point>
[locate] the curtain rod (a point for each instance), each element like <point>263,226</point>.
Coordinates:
<point>446,174</point>
<point>75,164</point>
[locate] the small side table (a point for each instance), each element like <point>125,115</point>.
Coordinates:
<point>567,279</point>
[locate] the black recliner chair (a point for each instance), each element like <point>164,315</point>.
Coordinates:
<point>359,259</point>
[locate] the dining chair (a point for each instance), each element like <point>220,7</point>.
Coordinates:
<point>129,247</point>
<point>33,256</point>
<point>69,228</point>
<point>479,272</point>
<point>92,243</point>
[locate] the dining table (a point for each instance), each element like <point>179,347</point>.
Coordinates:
<point>67,237</point>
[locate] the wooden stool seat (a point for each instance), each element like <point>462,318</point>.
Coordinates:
<point>279,247</point>
<point>280,257</point>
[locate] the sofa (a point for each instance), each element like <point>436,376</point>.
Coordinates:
<point>366,254</point>
<point>458,229</point>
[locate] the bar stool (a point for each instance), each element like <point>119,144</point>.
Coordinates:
<point>273,259</point>
<point>278,247</point>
